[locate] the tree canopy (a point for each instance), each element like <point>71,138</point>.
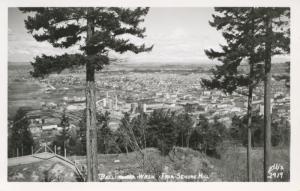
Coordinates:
<point>21,137</point>
<point>66,27</point>
<point>244,31</point>
<point>243,45</point>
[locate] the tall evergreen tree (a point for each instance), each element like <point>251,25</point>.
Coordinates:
<point>125,134</point>
<point>139,127</point>
<point>276,39</point>
<point>63,137</point>
<point>21,138</point>
<point>199,133</point>
<point>255,34</point>
<point>99,29</point>
<point>238,26</point>
<point>104,133</point>
<point>184,124</point>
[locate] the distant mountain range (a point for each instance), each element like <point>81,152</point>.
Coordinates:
<point>275,60</point>
<point>18,63</point>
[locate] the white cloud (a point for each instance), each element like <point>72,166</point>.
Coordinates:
<point>178,45</point>
<point>178,35</point>
<point>26,48</point>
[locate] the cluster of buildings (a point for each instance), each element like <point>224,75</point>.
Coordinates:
<point>135,92</point>
<point>150,91</point>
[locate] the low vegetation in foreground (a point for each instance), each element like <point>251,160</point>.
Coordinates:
<point>185,164</point>
<point>233,168</point>
<point>168,146</point>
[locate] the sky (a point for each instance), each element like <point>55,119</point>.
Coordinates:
<point>179,34</point>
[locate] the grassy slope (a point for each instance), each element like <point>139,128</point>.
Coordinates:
<point>232,166</point>
<point>182,160</point>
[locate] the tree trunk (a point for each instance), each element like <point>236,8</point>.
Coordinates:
<point>126,148</point>
<point>144,135</point>
<point>181,139</point>
<point>91,132</point>
<point>249,114</point>
<point>267,99</point>
<point>250,99</point>
<point>145,141</point>
<point>188,141</point>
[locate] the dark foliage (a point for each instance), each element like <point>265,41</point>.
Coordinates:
<point>162,131</point>
<point>66,27</point>
<point>244,32</point>
<point>206,137</point>
<point>243,45</point>
<point>105,136</point>
<point>184,127</point>
<point>21,137</point>
<point>62,139</point>
<point>165,129</point>
<point>280,131</point>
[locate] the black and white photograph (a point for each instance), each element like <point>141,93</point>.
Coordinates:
<point>148,94</point>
